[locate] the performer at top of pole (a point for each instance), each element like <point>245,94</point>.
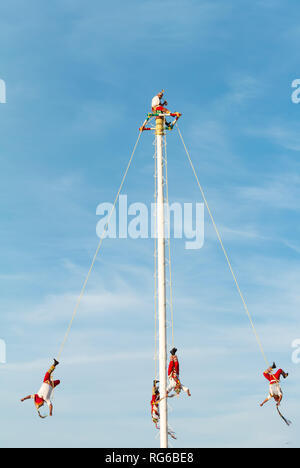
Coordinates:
<point>158,109</point>
<point>158,105</point>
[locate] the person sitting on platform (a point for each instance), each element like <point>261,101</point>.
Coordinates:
<point>158,105</point>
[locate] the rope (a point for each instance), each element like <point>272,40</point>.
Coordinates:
<point>155,256</point>
<point>41,415</point>
<point>169,243</point>
<point>224,251</point>
<point>155,266</point>
<point>287,421</point>
<point>97,251</point>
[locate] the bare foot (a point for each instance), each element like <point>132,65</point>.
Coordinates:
<point>189,393</point>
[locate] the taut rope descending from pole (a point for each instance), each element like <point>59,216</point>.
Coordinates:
<point>169,241</point>
<point>224,250</point>
<point>97,250</point>
<point>155,267</point>
<point>168,260</point>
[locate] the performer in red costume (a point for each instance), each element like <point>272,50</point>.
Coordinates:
<point>274,379</point>
<point>158,105</point>
<point>44,394</point>
<point>173,374</point>
<point>155,403</point>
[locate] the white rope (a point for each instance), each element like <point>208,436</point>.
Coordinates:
<point>169,242</point>
<point>224,250</point>
<point>155,267</point>
<point>97,250</point>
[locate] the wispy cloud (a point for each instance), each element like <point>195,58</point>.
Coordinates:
<point>280,192</point>
<point>80,77</point>
<point>282,134</point>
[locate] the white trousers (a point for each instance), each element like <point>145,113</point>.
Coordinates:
<point>275,390</point>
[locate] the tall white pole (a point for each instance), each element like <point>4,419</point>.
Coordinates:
<point>161,275</point>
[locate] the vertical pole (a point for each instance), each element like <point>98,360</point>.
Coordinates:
<point>160,124</point>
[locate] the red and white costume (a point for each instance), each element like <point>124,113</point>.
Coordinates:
<point>157,105</point>
<point>45,392</point>
<point>173,374</point>
<point>274,380</point>
<point>155,407</point>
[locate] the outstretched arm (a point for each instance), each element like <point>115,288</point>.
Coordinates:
<point>26,398</point>
<point>50,409</point>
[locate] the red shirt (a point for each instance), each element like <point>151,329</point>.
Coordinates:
<point>155,398</point>
<point>173,370</point>
<point>273,378</point>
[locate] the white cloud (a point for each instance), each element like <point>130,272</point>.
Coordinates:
<point>286,136</point>
<point>280,192</point>
<point>58,308</point>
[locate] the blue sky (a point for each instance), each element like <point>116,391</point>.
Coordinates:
<point>80,77</point>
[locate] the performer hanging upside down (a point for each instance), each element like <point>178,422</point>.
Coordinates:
<point>155,403</point>
<point>155,408</point>
<point>173,374</point>
<point>44,394</point>
<point>274,379</point>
